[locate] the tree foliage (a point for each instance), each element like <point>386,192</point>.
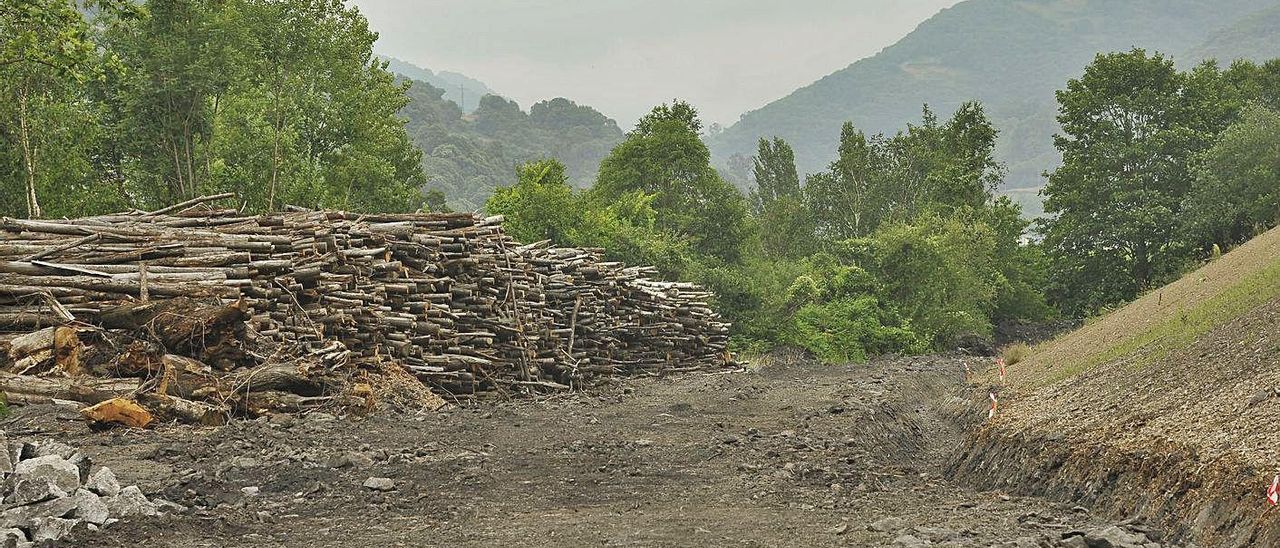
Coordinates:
<point>279,101</point>
<point>47,57</point>
<point>665,157</point>
<point>899,247</point>
<point>1235,193</point>
<point>1125,214</point>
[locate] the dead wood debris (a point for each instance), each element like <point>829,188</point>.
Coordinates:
<point>203,314</point>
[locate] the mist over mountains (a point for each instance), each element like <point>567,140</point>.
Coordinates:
<point>1012,56</point>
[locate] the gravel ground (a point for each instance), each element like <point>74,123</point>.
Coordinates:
<point>788,454</point>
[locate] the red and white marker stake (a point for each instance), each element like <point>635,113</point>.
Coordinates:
<point>1000,364</point>
<point>968,371</point>
<point>994,403</point>
<point>1273,492</point>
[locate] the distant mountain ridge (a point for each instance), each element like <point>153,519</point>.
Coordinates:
<point>463,90</point>
<point>1255,37</point>
<point>1012,56</point>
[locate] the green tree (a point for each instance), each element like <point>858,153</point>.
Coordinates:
<point>849,200</point>
<point>1236,190</point>
<point>930,165</point>
<point>665,157</point>
<point>181,59</point>
<point>540,206</point>
<point>279,101</point>
<point>778,202</point>
<point>46,57</point>
<point>940,272</point>
<point>774,171</point>
<point>329,107</point>
<point>1129,133</point>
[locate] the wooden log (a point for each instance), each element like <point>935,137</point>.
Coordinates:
<point>29,389</point>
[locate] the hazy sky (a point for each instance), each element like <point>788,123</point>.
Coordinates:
<point>624,56</point>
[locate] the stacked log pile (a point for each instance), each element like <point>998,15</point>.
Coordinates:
<point>197,312</point>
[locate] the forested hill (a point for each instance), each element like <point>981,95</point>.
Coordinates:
<point>467,156</point>
<point>1011,55</point>
<point>459,88</point>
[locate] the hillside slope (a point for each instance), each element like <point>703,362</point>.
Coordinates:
<point>1165,408</point>
<point>1010,55</point>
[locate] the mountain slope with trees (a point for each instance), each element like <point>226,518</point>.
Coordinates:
<point>463,90</point>
<point>467,155</point>
<point>1011,56</point>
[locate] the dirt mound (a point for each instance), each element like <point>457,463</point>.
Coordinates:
<point>1165,408</point>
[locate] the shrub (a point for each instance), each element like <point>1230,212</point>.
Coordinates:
<point>1015,352</point>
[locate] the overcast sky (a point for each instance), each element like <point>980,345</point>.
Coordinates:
<point>624,56</point>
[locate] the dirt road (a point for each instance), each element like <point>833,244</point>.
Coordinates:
<point>790,454</point>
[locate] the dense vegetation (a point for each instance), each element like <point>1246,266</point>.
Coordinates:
<point>899,246</point>
<point>902,245</point>
<point>466,156</point>
<point>1011,56</point>
<point>140,105</point>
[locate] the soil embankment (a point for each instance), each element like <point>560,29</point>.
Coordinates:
<point>1165,408</point>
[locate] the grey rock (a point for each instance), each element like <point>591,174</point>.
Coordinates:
<point>6,457</point>
<point>380,484</point>
<point>887,525</point>
<point>1259,397</point>
<point>25,450</point>
<point>935,534</point>
<point>1114,537</point>
<point>131,502</point>
<point>910,541</point>
<point>90,508</point>
<point>33,489</point>
<point>51,447</point>
<point>22,516</point>
<point>166,507</point>
<point>61,472</point>
<point>13,536</point>
<point>83,463</point>
<point>1076,541</point>
<point>43,529</point>
<point>360,460</point>
<point>103,482</point>
<point>245,462</point>
<point>351,459</point>
<point>250,491</point>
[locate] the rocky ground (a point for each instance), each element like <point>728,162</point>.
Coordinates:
<point>787,454</point>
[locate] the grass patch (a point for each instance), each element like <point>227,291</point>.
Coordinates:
<point>1015,353</point>
<point>1180,329</point>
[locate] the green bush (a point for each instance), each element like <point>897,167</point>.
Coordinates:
<point>850,329</point>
